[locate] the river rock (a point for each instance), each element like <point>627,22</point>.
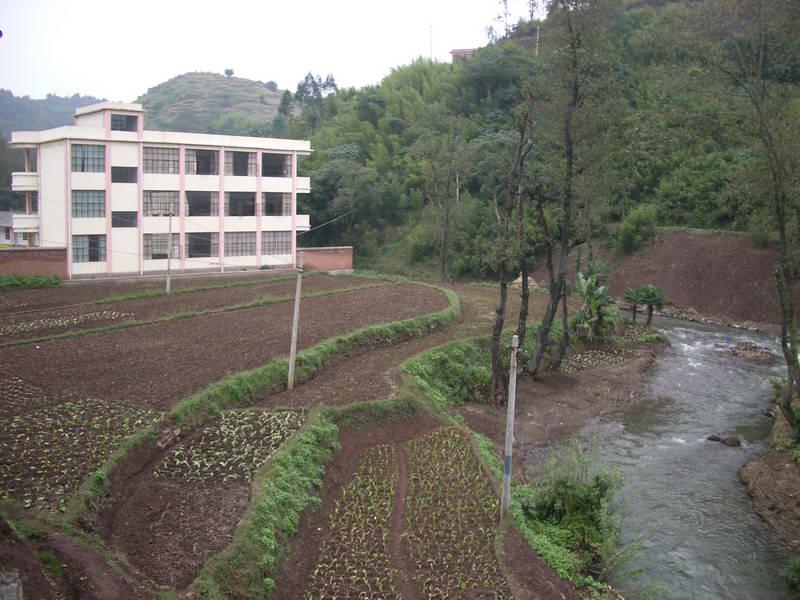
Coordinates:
<point>732,441</point>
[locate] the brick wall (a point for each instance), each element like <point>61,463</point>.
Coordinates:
<point>33,261</point>
<point>337,258</point>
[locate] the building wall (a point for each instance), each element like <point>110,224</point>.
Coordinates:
<point>124,245</point>
<point>33,261</point>
<point>328,259</point>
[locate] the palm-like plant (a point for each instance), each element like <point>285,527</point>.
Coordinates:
<point>633,296</point>
<point>598,313</point>
<point>653,296</point>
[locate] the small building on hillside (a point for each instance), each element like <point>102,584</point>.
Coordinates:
<point>107,190</point>
<point>461,54</point>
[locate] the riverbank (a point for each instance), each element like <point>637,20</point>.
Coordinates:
<point>773,482</point>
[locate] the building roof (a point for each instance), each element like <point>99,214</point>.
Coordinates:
<point>122,106</point>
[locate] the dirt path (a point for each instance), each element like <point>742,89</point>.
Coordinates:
<point>398,552</point>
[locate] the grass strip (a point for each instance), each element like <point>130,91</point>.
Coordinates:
<point>237,389</point>
<point>27,282</point>
<point>266,301</point>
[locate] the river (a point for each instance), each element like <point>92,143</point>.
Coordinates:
<point>682,504</point>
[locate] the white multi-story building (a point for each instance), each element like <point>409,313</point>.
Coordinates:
<point>109,190</point>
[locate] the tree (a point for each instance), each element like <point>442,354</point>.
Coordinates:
<point>633,296</point>
<point>285,107</point>
<point>271,86</point>
<point>753,45</point>
<point>228,72</point>
<point>652,296</point>
<point>576,78</point>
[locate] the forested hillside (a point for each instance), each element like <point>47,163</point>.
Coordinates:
<point>429,152</point>
<point>212,103</point>
<point>22,113</point>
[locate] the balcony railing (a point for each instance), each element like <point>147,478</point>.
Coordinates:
<point>25,223</point>
<point>25,182</point>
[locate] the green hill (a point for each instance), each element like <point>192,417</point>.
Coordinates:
<point>211,103</point>
<point>23,113</point>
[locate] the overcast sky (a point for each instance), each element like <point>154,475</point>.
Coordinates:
<point>117,50</point>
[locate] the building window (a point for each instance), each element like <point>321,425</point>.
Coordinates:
<point>240,243</point>
<point>124,122</point>
<point>124,218</point>
<point>88,159</point>
<point>156,246</point>
<point>276,165</point>
<point>160,204</point>
<point>88,204</point>
<point>34,203</point>
<point>202,245</point>
<point>202,162</point>
<point>88,248</point>
<point>123,175</point>
<point>276,204</point>
<point>202,204</point>
<point>161,160</point>
<point>240,164</point>
<point>276,242</point>
<point>240,204</point>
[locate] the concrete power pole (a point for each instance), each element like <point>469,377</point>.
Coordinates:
<point>512,401</point>
<point>295,321</point>
<point>169,256</point>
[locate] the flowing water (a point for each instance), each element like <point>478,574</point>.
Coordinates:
<point>682,502</point>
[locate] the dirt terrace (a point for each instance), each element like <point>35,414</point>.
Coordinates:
<point>41,322</point>
<point>93,290</point>
<point>154,366</point>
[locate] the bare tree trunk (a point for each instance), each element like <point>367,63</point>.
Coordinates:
<point>649,314</point>
<point>564,342</point>
<point>499,385</point>
<point>522,320</point>
<point>445,234</point>
<point>635,308</point>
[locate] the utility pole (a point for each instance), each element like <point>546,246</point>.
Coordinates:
<point>169,255</point>
<point>512,401</point>
<point>295,321</point>
<point>538,28</point>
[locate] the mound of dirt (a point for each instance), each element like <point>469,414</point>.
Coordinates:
<point>723,275</point>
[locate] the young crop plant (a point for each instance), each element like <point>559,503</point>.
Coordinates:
<point>63,322</point>
<point>354,559</point>
<point>451,519</point>
<point>47,450</point>
<point>232,448</point>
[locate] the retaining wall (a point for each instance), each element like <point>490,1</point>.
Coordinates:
<point>338,258</point>
<point>33,261</point>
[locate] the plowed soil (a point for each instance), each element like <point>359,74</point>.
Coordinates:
<point>42,322</point>
<point>93,290</point>
<point>155,366</point>
<point>718,275</point>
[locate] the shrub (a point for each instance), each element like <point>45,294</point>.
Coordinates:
<point>637,228</point>
<point>28,282</point>
<point>598,313</point>
<point>571,499</point>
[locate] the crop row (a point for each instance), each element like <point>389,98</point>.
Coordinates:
<point>451,520</point>
<point>354,558</point>
<point>232,448</point>
<point>46,453</point>
<point>64,322</point>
